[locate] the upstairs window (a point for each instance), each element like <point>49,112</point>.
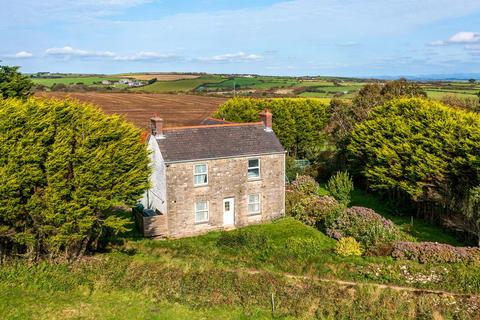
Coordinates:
<point>201,212</point>
<point>200,175</point>
<point>253,168</point>
<point>254,203</point>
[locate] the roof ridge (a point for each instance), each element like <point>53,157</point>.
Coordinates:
<point>215,125</point>
<point>220,120</point>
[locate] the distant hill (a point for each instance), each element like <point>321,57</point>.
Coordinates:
<point>436,77</point>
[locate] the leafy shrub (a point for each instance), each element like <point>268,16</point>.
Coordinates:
<point>348,247</point>
<point>425,252</point>
<point>306,247</point>
<point>366,226</point>
<point>316,211</point>
<point>340,186</point>
<point>305,185</point>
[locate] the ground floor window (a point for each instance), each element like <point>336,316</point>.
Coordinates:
<point>253,203</point>
<point>201,211</point>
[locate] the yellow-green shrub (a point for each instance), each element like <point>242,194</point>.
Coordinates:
<point>348,247</point>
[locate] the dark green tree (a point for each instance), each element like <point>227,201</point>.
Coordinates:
<point>13,84</point>
<point>419,150</point>
<point>64,166</point>
<point>298,123</point>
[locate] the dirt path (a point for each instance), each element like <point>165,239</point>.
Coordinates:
<point>365,284</point>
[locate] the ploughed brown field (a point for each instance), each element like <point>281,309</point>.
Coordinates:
<point>138,108</point>
<point>160,76</point>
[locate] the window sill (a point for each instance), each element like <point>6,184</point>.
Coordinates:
<point>201,222</point>
<point>200,185</point>
<point>254,179</point>
<point>254,214</point>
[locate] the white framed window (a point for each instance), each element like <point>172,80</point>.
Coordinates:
<point>254,203</point>
<point>253,168</point>
<point>201,212</point>
<point>200,174</point>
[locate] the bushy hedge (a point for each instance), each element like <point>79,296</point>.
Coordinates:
<point>427,252</point>
<point>366,226</point>
<point>420,150</point>
<point>64,167</point>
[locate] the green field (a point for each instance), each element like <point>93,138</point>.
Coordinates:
<point>250,83</point>
<point>320,87</point>
<point>179,85</point>
<point>71,80</point>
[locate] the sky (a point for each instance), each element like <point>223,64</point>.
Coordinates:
<point>297,37</point>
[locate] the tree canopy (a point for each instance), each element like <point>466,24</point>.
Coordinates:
<point>421,149</point>
<point>13,83</point>
<point>297,122</point>
<point>63,167</point>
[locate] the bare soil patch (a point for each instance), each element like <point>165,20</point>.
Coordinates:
<point>161,76</point>
<point>138,108</point>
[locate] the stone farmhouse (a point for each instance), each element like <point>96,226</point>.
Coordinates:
<point>218,175</point>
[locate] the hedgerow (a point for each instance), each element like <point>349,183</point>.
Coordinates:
<point>64,166</point>
<point>419,151</point>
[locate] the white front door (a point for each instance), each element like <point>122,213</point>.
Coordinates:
<point>228,212</point>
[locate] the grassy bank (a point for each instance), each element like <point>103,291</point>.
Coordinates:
<point>235,275</point>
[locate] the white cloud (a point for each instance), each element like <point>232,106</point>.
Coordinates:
<point>148,55</point>
<point>19,55</point>
<point>462,37</point>
<point>72,52</point>
<point>232,57</point>
<point>23,54</point>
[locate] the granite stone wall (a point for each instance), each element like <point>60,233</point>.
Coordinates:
<point>227,178</point>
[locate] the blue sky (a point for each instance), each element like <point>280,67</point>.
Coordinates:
<point>298,37</point>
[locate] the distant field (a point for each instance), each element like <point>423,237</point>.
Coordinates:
<point>250,83</point>
<point>176,110</point>
<point>182,85</point>
<point>320,87</point>
<point>438,94</point>
<point>159,76</point>
<point>72,80</point>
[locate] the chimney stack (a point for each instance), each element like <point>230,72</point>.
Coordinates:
<point>156,126</point>
<point>266,118</point>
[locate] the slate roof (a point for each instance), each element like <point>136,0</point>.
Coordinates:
<point>217,141</point>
